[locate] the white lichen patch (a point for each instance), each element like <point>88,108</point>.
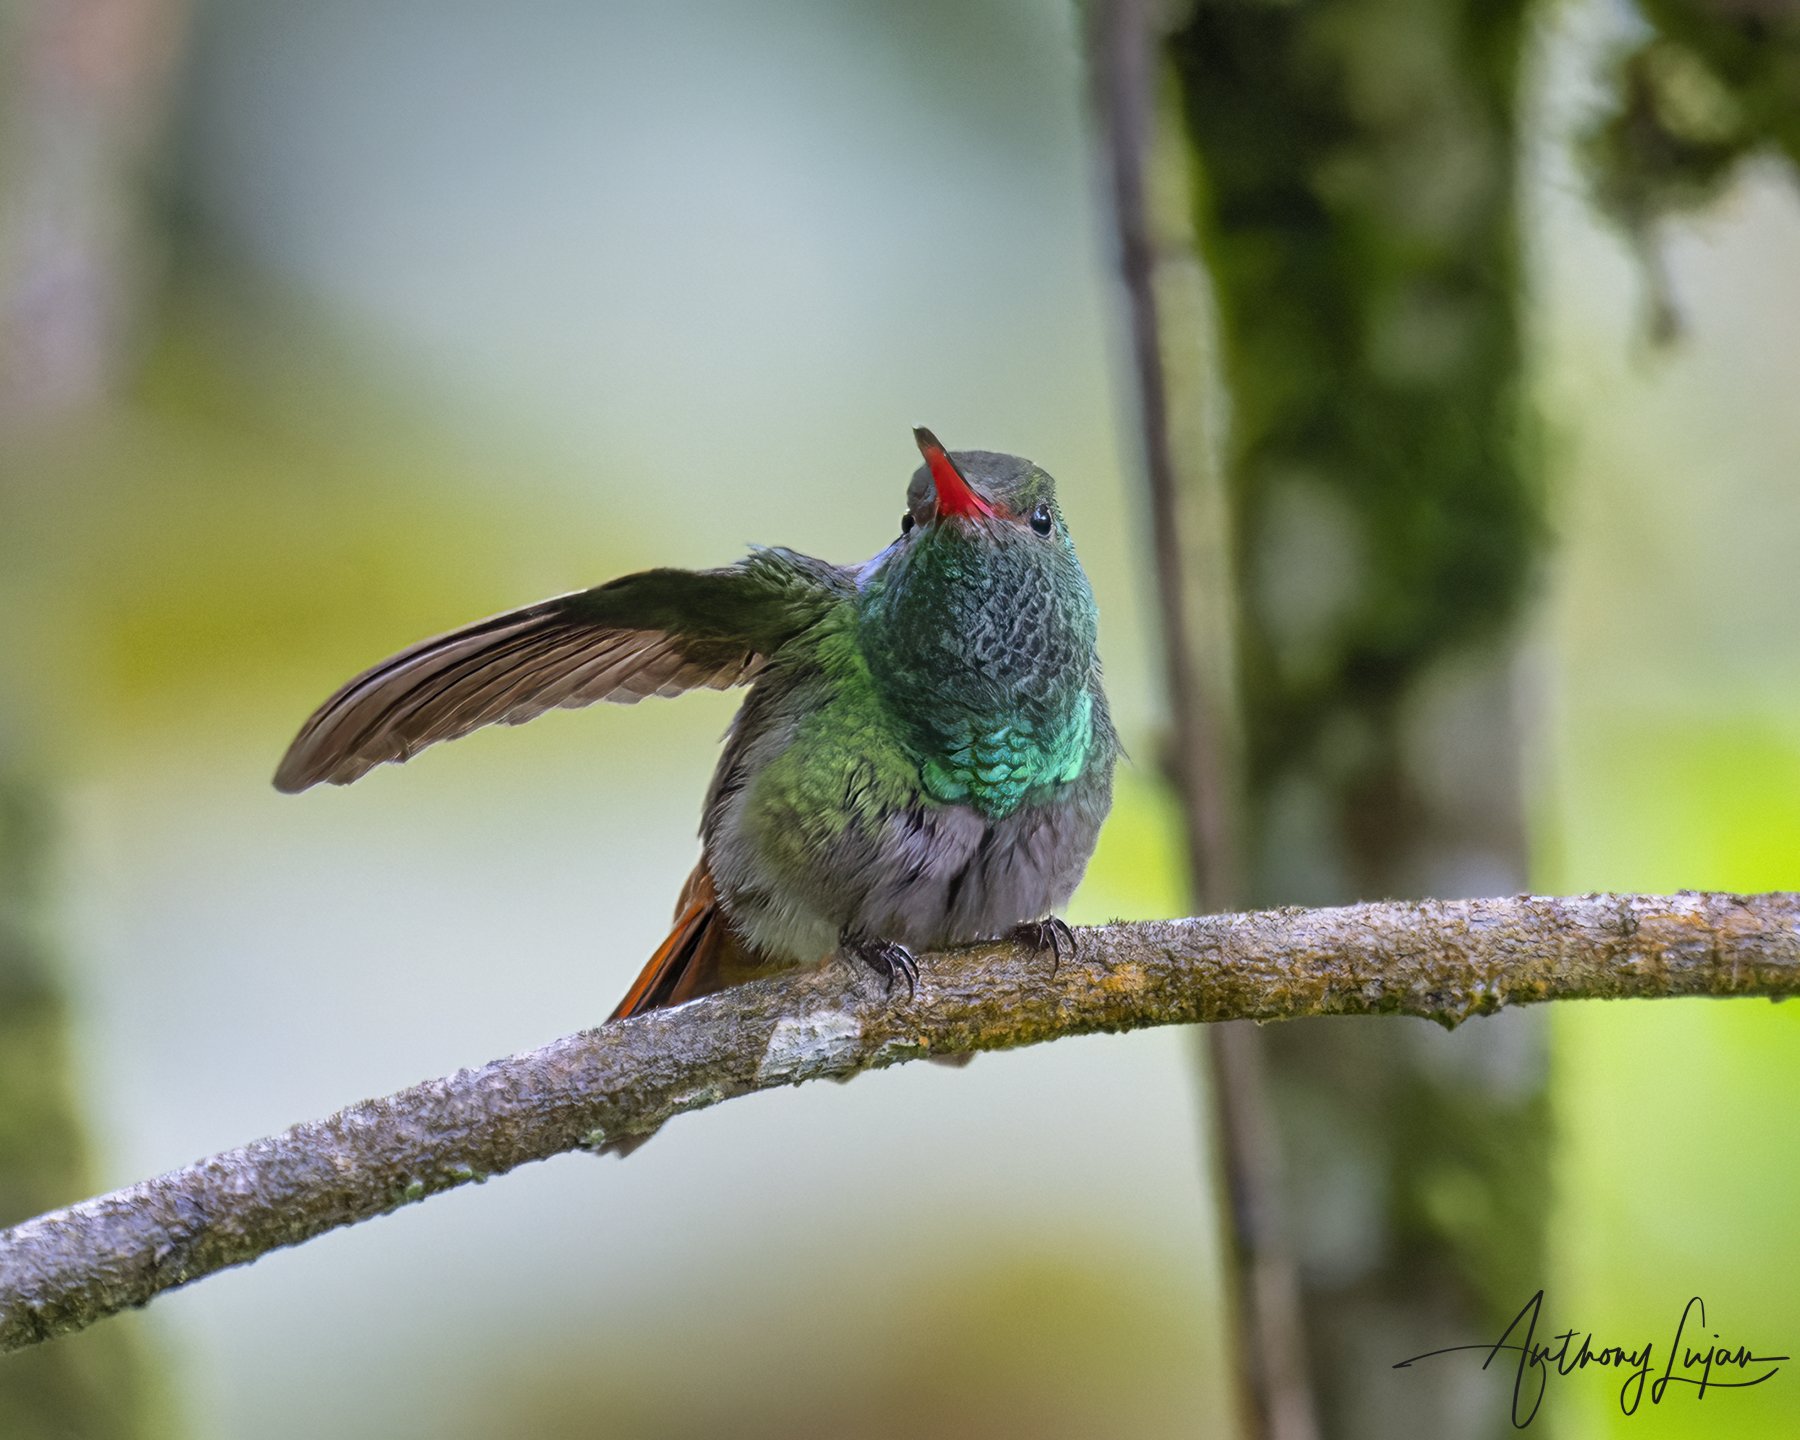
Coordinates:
<point>804,1046</point>
<point>698,1099</point>
<point>894,1052</point>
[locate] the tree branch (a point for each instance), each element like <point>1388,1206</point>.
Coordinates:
<point>1442,960</point>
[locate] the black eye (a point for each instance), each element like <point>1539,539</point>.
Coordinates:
<point>1041,520</point>
<point>906,523</point>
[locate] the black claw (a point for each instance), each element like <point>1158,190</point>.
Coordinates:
<point>1051,933</point>
<point>887,959</point>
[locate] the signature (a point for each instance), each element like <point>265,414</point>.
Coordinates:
<point>1718,1366</point>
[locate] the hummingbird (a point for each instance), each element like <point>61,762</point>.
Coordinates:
<point>924,757</point>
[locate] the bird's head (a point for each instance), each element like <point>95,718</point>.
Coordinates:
<point>982,592</point>
<point>979,492</point>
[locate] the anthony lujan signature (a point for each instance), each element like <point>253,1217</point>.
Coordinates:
<point>1695,1356</point>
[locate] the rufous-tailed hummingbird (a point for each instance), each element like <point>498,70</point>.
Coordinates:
<point>924,758</point>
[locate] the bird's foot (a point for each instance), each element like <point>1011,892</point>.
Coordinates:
<point>886,958</point>
<point>1051,933</point>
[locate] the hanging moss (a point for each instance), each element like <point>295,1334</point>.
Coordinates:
<point>1712,85</point>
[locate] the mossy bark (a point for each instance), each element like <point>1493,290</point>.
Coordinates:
<point>1355,180</point>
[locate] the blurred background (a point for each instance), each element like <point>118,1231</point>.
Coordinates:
<point>326,327</point>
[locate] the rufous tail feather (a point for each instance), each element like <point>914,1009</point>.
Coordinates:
<point>694,960</point>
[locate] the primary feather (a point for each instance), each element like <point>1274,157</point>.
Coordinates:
<point>657,633</point>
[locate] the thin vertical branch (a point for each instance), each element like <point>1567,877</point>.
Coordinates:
<point>1121,45</point>
<point>1263,1289</point>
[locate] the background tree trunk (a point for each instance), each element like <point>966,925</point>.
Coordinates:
<point>81,84</point>
<point>100,1389</point>
<point>1354,206</point>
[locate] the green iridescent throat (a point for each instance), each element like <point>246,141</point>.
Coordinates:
<point>980,641</point>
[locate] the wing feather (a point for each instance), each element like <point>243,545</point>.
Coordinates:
<point>658,633</point>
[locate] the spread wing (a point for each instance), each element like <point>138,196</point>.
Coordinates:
<point>656,633</point>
